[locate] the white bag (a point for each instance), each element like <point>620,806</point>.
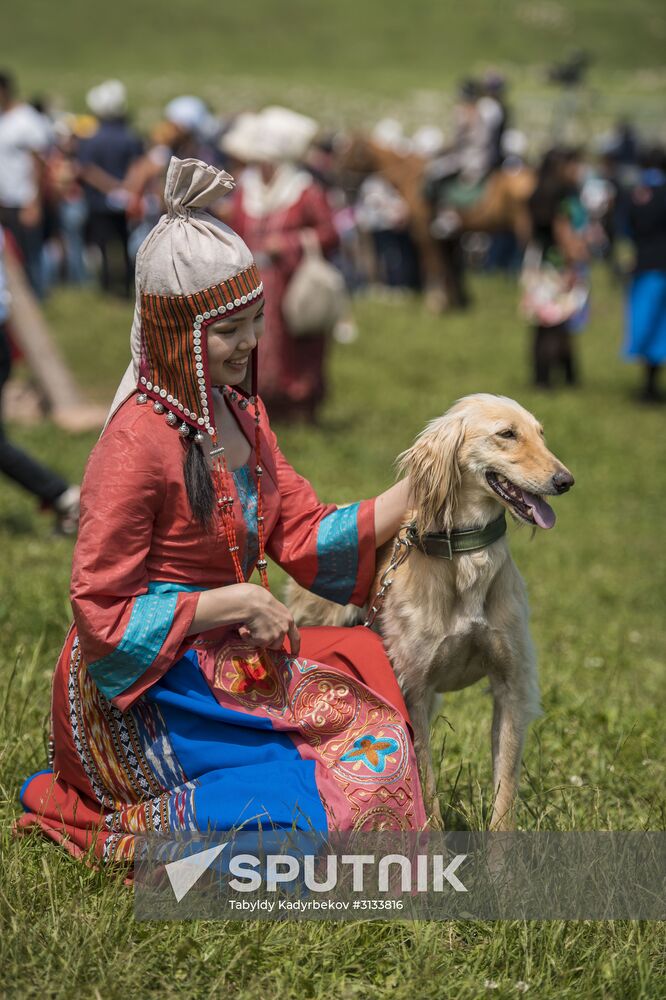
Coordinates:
<point>550,296</point>
<point>316,296</point>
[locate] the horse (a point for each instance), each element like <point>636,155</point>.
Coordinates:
<point>501,207</point>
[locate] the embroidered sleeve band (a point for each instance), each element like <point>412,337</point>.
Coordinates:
<point>337,555</point>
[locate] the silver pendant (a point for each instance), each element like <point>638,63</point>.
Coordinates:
<point>141,399</point>
<point>158,407</point>
<point>171,419</point>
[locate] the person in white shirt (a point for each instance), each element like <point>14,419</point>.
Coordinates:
<point>24,138</point>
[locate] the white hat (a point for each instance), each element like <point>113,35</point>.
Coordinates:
<point>390,134</point>
<point>190,269</point>
<point>284,135</point>
<point>428,140</point>
<point>108,99</point>
<point>189,113</point>
<point>274,135</point>
<point>242,138</point>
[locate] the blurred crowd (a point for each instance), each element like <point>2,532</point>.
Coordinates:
<point>79,193</point>
<point>328,215</point>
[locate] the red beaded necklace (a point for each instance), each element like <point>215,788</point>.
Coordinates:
<point>252,666</point>
<point>225,501</point>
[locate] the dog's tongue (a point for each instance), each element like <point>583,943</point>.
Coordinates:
<point>542,512</point>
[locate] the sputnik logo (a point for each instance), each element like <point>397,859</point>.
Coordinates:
<point>185,873</point>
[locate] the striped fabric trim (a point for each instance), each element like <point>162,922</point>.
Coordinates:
<point>337,555</point>
<point>147,629</point>
<point>174,360</point>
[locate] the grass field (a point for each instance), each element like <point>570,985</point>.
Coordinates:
<point>596,582</point>
<point>346,62</point>
<point>594,761</point>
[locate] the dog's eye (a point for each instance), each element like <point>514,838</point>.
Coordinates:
<point>508,433</point>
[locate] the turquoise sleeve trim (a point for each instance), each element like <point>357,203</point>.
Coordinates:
<point>337,555</point>
<point>166,587</point>
<point>147,629</point>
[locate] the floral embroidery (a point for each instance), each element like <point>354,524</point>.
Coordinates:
<point>371,752</point>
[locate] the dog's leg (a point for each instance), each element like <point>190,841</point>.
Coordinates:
<point>508,737</point>
<point>515,704</point>
<point>420,712</point>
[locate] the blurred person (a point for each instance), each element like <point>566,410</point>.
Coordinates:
<point>104,160</point>
<point>458,173</point>
<point>556,266</point>
<point>199,128</point>
<point>145,178</point>
<point>67,259</point>
<point>382,212</point>
<point>646,300</point>
<point>276,205</point>
<point>494,112</point>
<point>25,137</point>
<point>188,129</point>
<point>49,487</point>
<point>442,171</point>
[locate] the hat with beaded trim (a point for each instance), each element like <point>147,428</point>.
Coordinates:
<point>191,270</point>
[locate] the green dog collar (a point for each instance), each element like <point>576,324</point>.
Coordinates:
<point>437,543</point>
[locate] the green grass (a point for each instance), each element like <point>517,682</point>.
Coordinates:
<point>343,61</point>
<point>594,761</point>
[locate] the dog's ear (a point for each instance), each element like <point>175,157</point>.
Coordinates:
<point>433,465</point>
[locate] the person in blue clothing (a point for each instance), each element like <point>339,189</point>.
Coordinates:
<point>646,302</point>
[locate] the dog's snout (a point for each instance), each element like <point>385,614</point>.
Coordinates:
<point>563,481</point>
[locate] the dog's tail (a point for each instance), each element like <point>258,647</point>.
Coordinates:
<point>308,609</point>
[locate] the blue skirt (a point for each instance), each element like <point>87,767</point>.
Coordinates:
<point>645,334</point>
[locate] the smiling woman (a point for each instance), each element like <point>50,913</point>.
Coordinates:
<point>177,704</point>
<point>231,342</point>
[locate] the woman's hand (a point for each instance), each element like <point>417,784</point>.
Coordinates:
<point>268,622</point>
<point>264,619</point>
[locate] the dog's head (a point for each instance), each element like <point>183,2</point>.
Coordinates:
<point>484,450</point>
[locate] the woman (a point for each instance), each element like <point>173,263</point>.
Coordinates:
<point>175,703</point>
<point>557,297</point>
<point>276,204</point>
<point>646,306</point>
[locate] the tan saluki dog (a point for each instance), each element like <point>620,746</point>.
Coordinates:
<point>454,615</point>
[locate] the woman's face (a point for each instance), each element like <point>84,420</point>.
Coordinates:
<point>572,172</point>
<point>230,343</point>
